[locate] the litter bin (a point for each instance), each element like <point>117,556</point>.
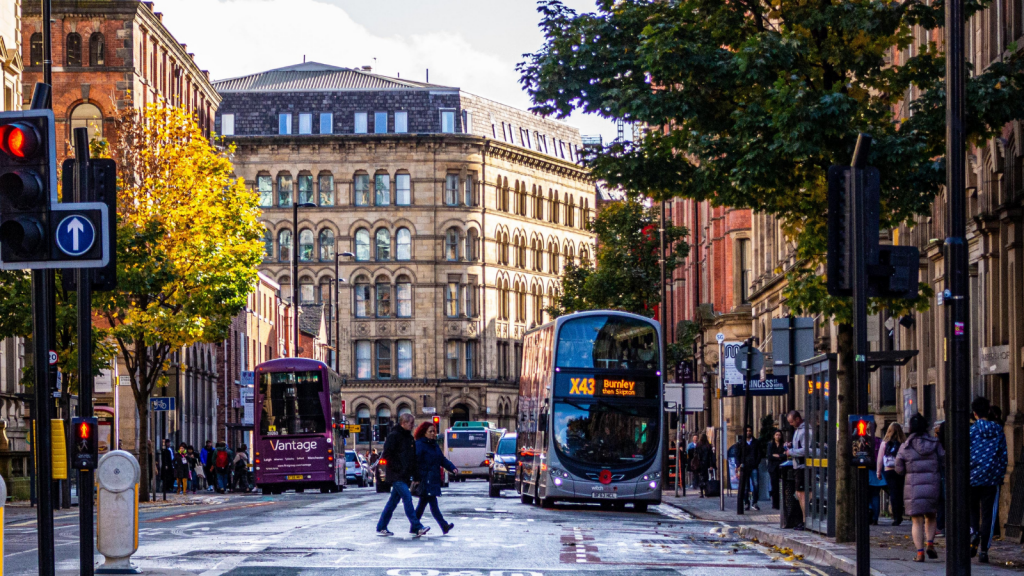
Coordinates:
<point>790,515</point>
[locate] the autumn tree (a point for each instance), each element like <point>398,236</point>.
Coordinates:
<point>188,247</point>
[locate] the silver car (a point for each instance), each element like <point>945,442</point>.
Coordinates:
<point>357,469</point>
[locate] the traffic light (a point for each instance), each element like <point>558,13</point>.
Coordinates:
<point>897,273</point>
<point>86,447</point>
<point>437,423</point>
<point>28,186</point>
<point>102,187</point>
<point>841,201</point>
<point>862,431</point>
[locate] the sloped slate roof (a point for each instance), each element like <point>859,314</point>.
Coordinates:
<point>313,76</point>
<point>309,318</point>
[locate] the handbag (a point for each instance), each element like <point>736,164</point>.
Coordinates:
<point>415,488</point>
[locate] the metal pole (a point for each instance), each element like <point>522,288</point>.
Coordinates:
<point>721,425</point>
<point>664,332</point>
<point>957,387</point>
<point>295,274</point>
<point>337,320</point>
<point>679,453</point>
<point>83,282</point>
<point>791,397</point>
<point>860,346</point>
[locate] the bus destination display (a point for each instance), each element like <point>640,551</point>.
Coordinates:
<point>605,386</point>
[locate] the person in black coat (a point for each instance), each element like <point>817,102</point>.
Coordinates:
<point>752,455</point>
<point>167,466</point>
<point>399,459</point>
<point>429,461</point>
<point>776,456</point>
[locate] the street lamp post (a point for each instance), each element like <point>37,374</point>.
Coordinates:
<point>295,267</point>
<point>337,300</point>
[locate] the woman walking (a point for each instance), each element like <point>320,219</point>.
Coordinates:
<point>704,459</point>
<point>182,473</point>
<point>776,456</point>
<point>875,481</point>
<point>429,461</point>
<point>193,464</point>
<point>886,469</point>
<point>920,459</point>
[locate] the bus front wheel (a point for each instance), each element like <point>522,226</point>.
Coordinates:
<point>640,506</point>
<point>526,499</point>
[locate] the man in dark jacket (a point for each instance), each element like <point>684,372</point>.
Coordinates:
<point>399,458</point>
<point>988,467</point>
<point>752,455</point>
<point>167,466</point>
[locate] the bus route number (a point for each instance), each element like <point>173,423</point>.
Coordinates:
<point>582,386</point>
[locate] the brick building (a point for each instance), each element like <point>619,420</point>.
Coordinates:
<point>459,213</point>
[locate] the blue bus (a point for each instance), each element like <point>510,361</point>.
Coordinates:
<point>590,418</point>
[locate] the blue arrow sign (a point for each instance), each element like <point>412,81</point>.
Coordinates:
<point>161,404</point>
<point>75,235</point>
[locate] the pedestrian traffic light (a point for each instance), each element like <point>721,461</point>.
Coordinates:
<point>85,450</point>
<point>862,432</point>
<point>27,186</point>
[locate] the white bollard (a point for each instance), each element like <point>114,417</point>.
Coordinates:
<point>117,512</point>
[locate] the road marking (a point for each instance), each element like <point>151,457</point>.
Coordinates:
<point>581,549</point>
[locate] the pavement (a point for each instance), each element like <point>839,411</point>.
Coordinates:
<point>892,548</point>
<point>314,534</point>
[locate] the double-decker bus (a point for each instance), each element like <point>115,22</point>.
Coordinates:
<point>590,414</point>
<point>297,428</point>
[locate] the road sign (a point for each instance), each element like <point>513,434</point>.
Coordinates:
<point>53,357</point>
<point>246,397</point>
<point>161,404</point>
<point>355,428</point>
<point>733,377</point>
<point>768,386</point>
<point>720,337</point>
<point>248,378</point>
<point>124,380</point>
<point>75,235</point>
<point>749,358</point>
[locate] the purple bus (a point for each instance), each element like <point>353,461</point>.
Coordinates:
<point>298,427</point>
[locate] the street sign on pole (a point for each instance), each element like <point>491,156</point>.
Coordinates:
<point>749,358</point>
<point>731,375</point>
<point>799,332</point>
<point>161,404</point>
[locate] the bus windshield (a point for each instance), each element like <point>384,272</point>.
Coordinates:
<point>608,342</point>
<point>605,434</point>
<point>291,403</point>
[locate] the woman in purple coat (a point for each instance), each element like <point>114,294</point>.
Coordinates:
<point>920,459</point>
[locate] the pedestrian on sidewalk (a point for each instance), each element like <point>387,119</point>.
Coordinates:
<point>885,465</point>
<point>167,466</point>
<point>919,459</point>
<point>429,461</point>
<point>222,466</point>
<point>399,457</point>
<point>797,452</point>
<point>876,481</point>
<point>703,460</point>
<point>776,456</point>
<point>241,470</point>
<point>206,457</point>
<point>691,449</point>
<point>988,467</point>
<point>940,516</point>
<point>193,465</point>
<point>995,414</point>
<point>750,485</point>
<point>181,469</point>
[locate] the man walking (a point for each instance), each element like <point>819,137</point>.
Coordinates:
<point>749,484</point>
<point>206,457</point>
<point>167,466</point>
<point>988,466</point>
<point>222,458</point>
<point>399,457</point>
<point>797,452</point>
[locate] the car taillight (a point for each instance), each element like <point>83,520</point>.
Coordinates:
<point>382,461</point>
<point>357,464</point>
<point>485,463</point>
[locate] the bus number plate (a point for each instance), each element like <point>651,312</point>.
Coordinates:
<point>299,477</point>
<point>465,471</point>
<point>605,495</point>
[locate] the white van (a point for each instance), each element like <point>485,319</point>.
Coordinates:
<point>467,444</point>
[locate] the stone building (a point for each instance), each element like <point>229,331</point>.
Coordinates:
<point>108,56</point>
<point>458,212</point>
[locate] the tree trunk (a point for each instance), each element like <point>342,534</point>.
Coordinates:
<point>145,479</point>
<point>845,477</point>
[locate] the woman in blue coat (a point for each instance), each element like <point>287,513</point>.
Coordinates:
<point>429,461</point>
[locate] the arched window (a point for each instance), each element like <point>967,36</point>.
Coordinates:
<point>88,116</point>
<point>268,244</point>
<point>520,302</point>
<point>570,255</point>
<point>382,189</point>
<point>403,244</point>
<point>504,196</point>
<point>305,245</point>
<point>522,200</point>
<point>306,295</point>
<point>538,305</point>
<point>284,245</point>
<point>36,50</point>
<point>265,188</point>
<point>469,252</point>
<point>538,255</point>
<point>325,292</point>
<point>521,250</point>
<point>383,290</point>
<point>403,295</point>
<point>73,50</point>
<point>570,212</point>
<point>554,267</point>
<point>556,209</point>
<point>284,190</point>
<point>97,53</point>
<point>503,248</point>
<point>363,412</point>
<point>326,245</point>
<point>451,245</point>
<point>363,299</point>
<point>383,244</point>
<point>505,300</point>
<point>362,189</point>
<point>383,415</point>
<point>362,244</point>
<point>515,198</point>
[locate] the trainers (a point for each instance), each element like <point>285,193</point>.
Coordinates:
<point>422,531</point>
<point>983,557</point>
<point>974,545</point>
<point>755,507</point>
<point>799,527</point>
<point>385,532</point>
<point>447,528</point>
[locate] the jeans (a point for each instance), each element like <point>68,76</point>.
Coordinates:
<point>434,510</point>
<point>981,499</point>
<point>876,492</point>
<point>749,485</point>
<point>399,491</point>
<point>223,479</point>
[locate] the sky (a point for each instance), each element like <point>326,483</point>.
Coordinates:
<point>471,44</point>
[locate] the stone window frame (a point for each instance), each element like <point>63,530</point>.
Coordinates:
<point>320,192</point>
<point>97,49</point>
<point>396,243</point>
<point>369,188</point>
<point>73,45</point>
<point>403,174</point>
<point>291,186</point>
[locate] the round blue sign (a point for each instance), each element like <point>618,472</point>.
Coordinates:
<point>75,235</point>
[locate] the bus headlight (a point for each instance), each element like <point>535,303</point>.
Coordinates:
<point>651,476</point>
<point>556,473</point>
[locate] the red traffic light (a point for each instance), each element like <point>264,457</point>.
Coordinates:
<point>19,140</point>
<point>83,431</point>
<point>862,428</point>
<point>437,421</point>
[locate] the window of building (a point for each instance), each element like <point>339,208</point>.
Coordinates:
<point>743,248</point>
<point>97,53</point>
<point>404,348</point>
<point>451,245</point>
<point>284,124</point>
<point>448,121</point>
<point>306,294</point>
<point>360,123</point>
<point>470,355</point>
<point>403,191</point>
<point>380,122</point>
<point>363,299</point>
<point>469,251</point>
<point>362,188</point>
<point>403,293</point>
<point>382,189</point>
<point>306,194</point>
<point>451,359</point>
<point>517,351</point>
<point>401,122</point>
<point>451,189</point>
<point>284,245</point>
<point>326,186</point>
<point>268,244</point>
<point>305,245</point>
<point>383,290</point>
<point>451,299</point>
<point>284,190</point>
<point>305,123</point>
<point>363,360</point>
<point>36,49</point>
<point>467,122</point>
<point>227,124</point>
<point>327,245</point>
<point>362,244</point>
<point>383,359</point>
<point>383,245</point>
<point>88,116</point>
<point>554,267</point>
<point>403,244</point>
<point>468,191</point>
<point>73,53</point>
<point>503,360</point>
<point>326,123</point>
<point>538,305</point>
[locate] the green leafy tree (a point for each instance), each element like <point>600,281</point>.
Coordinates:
<point>627,275</point>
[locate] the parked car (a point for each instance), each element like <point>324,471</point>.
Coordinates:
<point>503,466</point>
<point>357,469</point>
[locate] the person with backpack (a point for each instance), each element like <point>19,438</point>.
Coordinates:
<point>885,467</point>
<point>241,466</point>
<point>222,467</point>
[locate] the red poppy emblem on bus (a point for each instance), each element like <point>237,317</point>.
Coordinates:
<point>605,477</point>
